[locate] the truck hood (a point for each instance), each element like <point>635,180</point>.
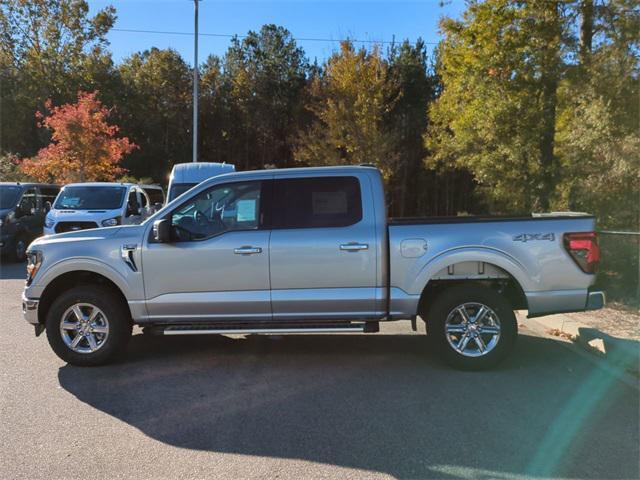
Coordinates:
<point>83,215</point>
<point>91,235</point>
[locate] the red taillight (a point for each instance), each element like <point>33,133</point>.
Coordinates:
<point>583,248</point>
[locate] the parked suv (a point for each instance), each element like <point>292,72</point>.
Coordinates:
<point>22,210</point>
<point>80,206</point>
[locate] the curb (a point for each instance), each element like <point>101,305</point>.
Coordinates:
<point>620,353</point>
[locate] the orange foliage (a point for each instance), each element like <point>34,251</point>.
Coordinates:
<point>84,146</point>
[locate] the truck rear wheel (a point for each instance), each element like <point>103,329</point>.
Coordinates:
<point>473,327</point>
<point>88,326</point>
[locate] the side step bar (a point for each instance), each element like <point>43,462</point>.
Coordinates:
<point>246,330</point>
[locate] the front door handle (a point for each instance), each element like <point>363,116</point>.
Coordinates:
<point>247,250</point>
<point>354,247</point>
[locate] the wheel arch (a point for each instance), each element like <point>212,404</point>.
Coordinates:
<point>491,269</point>
<point>71,279</point>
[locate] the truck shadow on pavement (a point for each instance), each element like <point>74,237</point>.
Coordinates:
<point>377,403</point>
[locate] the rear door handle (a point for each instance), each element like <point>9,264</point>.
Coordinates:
<point>354,247</point>
<point>247,250</point>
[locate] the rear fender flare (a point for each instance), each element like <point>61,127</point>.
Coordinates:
<point>473,254</point>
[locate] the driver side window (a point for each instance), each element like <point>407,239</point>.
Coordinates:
<point>28,202</point>
<point>220,209</point>
<point>133,207</point>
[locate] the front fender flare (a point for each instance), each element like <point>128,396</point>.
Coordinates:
<point>84,265</point>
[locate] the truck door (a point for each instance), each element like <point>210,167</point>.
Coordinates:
<point>217,266</point>
<point>30,216</point>
<point>133,209</point>
<point>322,249</point>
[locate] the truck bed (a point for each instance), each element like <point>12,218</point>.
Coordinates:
<point>528,250</point>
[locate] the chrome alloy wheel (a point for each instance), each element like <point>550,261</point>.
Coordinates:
<point>472,329</point>
<point>84,328</point>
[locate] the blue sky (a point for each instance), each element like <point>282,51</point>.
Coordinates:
<point>362,20</point>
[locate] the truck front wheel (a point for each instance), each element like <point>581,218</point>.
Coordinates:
<point>473,327</point>
<point>88,326</point>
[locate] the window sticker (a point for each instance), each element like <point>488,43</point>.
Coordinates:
<point>246,210</point>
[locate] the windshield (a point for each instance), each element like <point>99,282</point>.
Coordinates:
<point>90,198</point>
<point>179,188</point>
<point>9,196</point>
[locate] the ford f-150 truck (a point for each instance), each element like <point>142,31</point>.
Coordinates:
<point>302,251</point>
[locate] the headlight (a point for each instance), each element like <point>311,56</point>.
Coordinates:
<point>1,222</point>
<point>34,260</point>
<point>111,222</point>
<point>49,222</point>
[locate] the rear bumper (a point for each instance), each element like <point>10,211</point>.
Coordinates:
<point>563,301</point>
<point>595,300</point>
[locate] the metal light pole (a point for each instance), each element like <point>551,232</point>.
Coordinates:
<point>195,83</point>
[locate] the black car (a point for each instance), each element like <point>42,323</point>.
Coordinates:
<point>23,207</point>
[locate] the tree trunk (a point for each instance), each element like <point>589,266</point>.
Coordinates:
<point>550,63</point>
<point>586,30</point>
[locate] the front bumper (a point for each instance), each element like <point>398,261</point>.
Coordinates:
<point>595,300</point>
<point>30,310</point>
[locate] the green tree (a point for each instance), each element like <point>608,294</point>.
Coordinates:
<point>598,137</point>
<point>49,49</point>
<point>154,109</point>
<point>409,74</point>
<point>263,81</point>
<point>351,101</point>
<point>500,66</point>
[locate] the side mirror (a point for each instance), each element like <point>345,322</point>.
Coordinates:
<point>162,230</point>
<point>47,207</point>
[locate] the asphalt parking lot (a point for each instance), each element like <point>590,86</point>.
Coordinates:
<point>341,406</point>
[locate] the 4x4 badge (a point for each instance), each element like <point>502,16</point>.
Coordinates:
<point>527,237</point>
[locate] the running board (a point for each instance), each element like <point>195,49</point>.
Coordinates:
<point>205,330</point>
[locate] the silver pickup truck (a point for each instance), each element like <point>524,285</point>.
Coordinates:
<point>304,251</point>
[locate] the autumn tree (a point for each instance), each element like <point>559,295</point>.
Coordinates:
<point>350,101</point>
<point>84,147</point>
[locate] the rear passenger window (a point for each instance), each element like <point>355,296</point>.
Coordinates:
<point>316,202</point>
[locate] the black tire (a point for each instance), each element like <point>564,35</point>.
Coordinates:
<point>19,249</point>
<point>472,297</point>
<point>118,321</point>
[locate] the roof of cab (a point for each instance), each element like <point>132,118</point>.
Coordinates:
<point>293,172</point>
<point>307,171</point>
<point>100,184</point>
